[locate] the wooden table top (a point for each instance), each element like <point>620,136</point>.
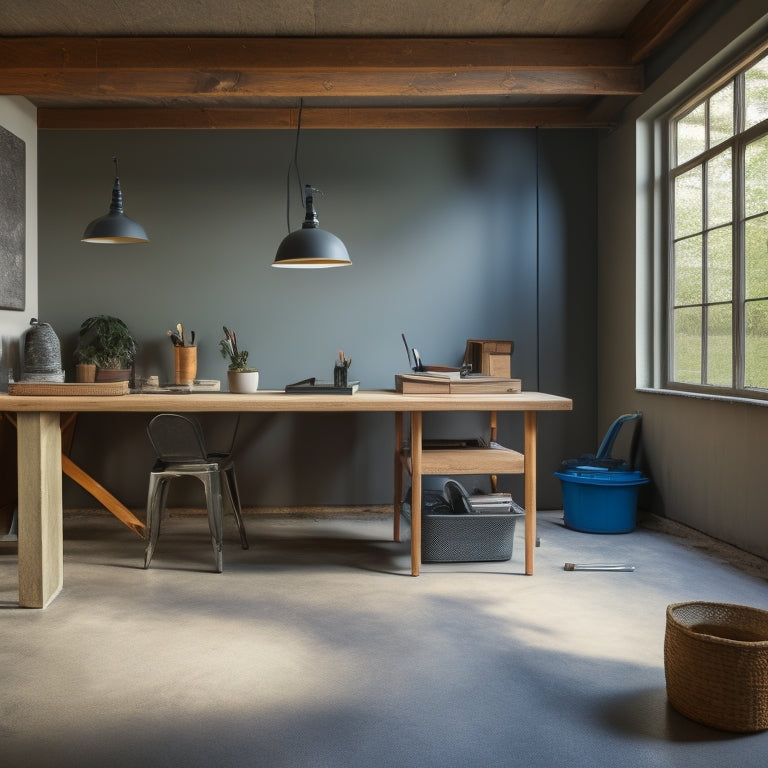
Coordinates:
<point>277,401</point>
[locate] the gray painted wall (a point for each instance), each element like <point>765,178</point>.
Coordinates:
<point>453,235</point>
<point>705,458</point>
<point>19,117</point>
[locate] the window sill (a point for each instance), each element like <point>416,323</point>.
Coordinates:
<point>704,396</point>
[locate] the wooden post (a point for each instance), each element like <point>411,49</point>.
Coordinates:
<point>530,489</point>
<point>493,436</point>
<point>416,437</point>
<point>41,557</point>
<point>398,501</point>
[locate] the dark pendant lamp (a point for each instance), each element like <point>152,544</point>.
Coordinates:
<point>309,247</point>
<point>115,227</point>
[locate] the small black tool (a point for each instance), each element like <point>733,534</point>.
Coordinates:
<point>407,351</point>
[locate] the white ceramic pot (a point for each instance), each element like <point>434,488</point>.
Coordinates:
<point>243,382</point>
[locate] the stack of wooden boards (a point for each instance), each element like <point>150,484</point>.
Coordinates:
<point>436,383</point>
<point>491,372</point>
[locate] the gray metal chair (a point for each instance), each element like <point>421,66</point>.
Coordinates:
<point>181,452</point>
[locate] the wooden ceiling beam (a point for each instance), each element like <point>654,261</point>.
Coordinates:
<point>208,69</point>
<point>316,118</point>
<point>656,22</point>
<point>307,53</point>
<point>212,86</point>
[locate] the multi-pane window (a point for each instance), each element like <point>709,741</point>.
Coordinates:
<point>718,277</point>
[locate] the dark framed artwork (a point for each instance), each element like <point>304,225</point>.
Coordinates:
<point>12,221</point>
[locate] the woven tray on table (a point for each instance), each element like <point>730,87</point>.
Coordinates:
<point>75,389</point>
<point>716,664</point>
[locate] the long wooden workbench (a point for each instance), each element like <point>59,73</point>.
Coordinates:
<point>40,457</point>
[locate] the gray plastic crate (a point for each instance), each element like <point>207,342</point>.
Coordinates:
<point>468,538</point>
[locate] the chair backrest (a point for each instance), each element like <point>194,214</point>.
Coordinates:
<point>176,437</point>
<point>221,441</point>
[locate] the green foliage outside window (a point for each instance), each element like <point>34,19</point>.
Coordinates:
<point>718,296</point>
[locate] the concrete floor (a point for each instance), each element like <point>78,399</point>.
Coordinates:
<point>317,648</point>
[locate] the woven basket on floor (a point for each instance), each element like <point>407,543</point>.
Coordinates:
<point>716,664</point>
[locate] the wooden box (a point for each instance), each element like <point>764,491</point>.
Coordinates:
<point>489,356</point>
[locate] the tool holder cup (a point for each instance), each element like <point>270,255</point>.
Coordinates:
<point>339,375</point>
<point>184,365</point>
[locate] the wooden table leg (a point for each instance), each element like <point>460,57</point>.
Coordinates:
<point>41,540</point>
<point>398,484</point>
<point>494,428</point>
<point>530,489</point>
<point>416,436</point>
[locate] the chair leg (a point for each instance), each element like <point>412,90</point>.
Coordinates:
<point>212,483</point>
<point>158,492</point>
<point>230,483</point>
<point>157,496</point>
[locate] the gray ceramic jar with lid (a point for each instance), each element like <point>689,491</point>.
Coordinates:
<point>42,353</point>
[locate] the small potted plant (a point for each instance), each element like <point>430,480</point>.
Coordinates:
<point>241,377</point>
<point>85,364</point>
<point>86,355</point>
<point>105,342</point>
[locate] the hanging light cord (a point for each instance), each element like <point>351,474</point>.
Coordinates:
<point>294,164</point>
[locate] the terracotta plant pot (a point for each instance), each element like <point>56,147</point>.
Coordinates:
<point>113,374</point>
<point>243,382</point>
<point>85,373</point>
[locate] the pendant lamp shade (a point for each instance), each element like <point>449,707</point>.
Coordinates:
<point>115,227</point>
<point>311,247</point>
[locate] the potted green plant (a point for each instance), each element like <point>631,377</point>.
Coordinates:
<point>241,377</point>
<point>105,342</point>
<point>85,360</point>
<point>85,364</point>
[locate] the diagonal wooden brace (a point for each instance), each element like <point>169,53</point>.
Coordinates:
<point>100,493</point>
<point>84,480</point>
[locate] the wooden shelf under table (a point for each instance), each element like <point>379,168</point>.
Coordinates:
<point>469,461</point>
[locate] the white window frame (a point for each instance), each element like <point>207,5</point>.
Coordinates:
<point>736,144</point>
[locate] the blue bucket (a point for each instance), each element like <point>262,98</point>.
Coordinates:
<point>597,500</point>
